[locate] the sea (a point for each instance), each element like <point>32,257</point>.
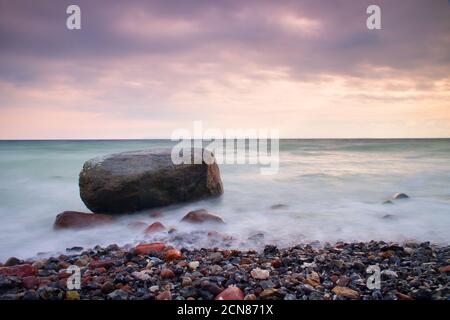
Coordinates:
<point>325,190</point>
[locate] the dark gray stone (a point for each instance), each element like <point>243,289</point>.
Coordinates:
<point>138,180</point>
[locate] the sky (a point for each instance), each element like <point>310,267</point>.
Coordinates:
<point>142,69</point>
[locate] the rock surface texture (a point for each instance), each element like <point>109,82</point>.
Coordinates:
<point>137,180</point>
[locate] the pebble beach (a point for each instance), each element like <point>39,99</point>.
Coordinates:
<point>314,271</point>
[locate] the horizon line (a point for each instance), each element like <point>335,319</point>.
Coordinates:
<point>141,139</point>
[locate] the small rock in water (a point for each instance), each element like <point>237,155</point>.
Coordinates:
<point>13,261</point>
<point>400,195</point>
<point>201,216</point>
<point>257,237</point>
<point>279,206</point>
<point>80,220</point>
<point>144,179</point>
<point>154,228</point>
<point>137,225</point>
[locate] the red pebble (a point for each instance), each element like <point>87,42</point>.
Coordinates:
<point>444,269</point>
<point>21,270</point>
<point>167,274</point>
<point>276,263</point>
<point>155,227</point>
<point>95,264</point>
<point>149,248</point>
<point>165,295</point>
<point>30,282</point>
<point>231,293</point>
<point>173,254</point>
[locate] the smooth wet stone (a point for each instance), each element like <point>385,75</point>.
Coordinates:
<point>12,262</point>
<point>173,254</point>
<point>149,248</point>
<point>137,180</point>
<point>80,220</point>
<point>201,216</point>
<point>400,195</point>
<point>154,228</point>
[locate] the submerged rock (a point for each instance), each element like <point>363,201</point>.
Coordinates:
<point>13,261</point>
<point>200,216</point>
<point>138,180</point>
<point>155,227</point>
<point>400,196</point>
<point>79,220</point>
<point>279,206</point>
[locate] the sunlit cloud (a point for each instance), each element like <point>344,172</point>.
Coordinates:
<point>145,68</point>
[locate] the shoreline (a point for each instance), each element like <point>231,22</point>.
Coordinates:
<point>154,271</point>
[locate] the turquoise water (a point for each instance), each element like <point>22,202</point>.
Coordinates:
<point>331,190</point>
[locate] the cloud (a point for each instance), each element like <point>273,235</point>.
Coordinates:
<point>173,62</point>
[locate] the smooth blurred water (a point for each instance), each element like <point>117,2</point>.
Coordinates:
<point>332,190</point>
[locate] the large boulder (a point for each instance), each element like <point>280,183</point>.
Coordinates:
<point>137,180</point>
